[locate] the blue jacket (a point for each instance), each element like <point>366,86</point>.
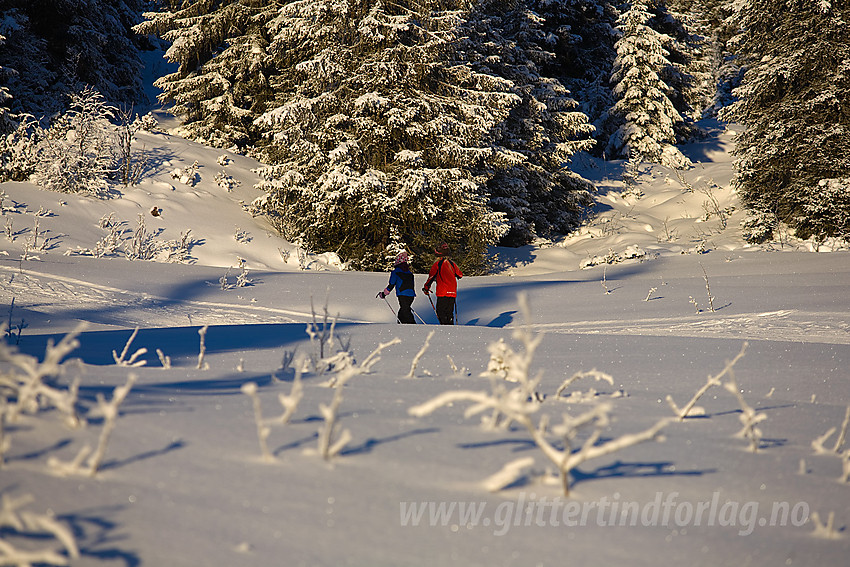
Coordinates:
<point>401,279</point>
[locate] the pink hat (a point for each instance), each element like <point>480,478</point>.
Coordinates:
<point>442,250</point>
<point>402,258</point>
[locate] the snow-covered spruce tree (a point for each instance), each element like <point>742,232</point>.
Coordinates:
<point>62,46</point>
<point>648,116</point>
<point>221,84</point>
<point>792,163</point>
<point>690,73</point>
<point>714,22</point>
<point>7,122</point>
<point>581,36</point>
<point>539,194</point>
<point>9,141</point>
<point>383,133</point>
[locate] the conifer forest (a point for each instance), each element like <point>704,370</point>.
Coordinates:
<point>385,125</point>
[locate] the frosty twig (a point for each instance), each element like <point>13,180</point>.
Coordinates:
<point>263,430</point>
<point>87,462</point>
<point>15,521</point>
<point>689,409</point>
<point>419,355</point>
<point>120,360</point>
<point>203,349</point>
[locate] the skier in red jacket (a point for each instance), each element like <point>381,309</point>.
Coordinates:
<point>446,273</point>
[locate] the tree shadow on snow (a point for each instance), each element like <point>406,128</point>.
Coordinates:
<point>310,439</point>
<point>114,464</point>
<point>187,298</point>
<point>221,386</point>
<point>39,454</point>
<point>518,444</point>
<point>96,536</point>
<point>622,469</point>
<point>181,344</point>
<point>153,397</point>
<point>372,442</point>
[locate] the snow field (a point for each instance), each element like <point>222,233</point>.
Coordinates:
<point>183,481</point>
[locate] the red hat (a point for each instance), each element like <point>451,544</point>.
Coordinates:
<point>442,249</point>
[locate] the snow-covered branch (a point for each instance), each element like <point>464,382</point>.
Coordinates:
<point>594,373</point>
<point>290,402</point>
<point>321,338</point>
<point>749,417</point>
<point>290,405</point>
<point>15,522</point>
<point>825,530</point>
<point>509,474</point>
<point>120,360</point>
<point>838,448</point>
<point>28,385</point>
<point>333,439</point>
<point>202,332</point>
<point>87,462</point>
<point>690,408</point>
<point>419,355</point>
<point>263,430</point>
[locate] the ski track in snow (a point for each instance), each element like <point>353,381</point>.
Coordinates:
<point>56,294</point>
<point>785,325</point>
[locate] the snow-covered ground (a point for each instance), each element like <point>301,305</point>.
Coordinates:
<point>183,481</point>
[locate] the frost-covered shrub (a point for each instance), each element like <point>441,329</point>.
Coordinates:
<point>149,123</point>
<point>332,438</point>
<point>242,279</point>
<point>838,448</point>
<point>187,175</point>
<point>19,151</point>
<point>632,252</point>
<point>179,250</point>
<point>75,153</point>
<point>242,236</point>
<point>143,245</point>
<point>225,181</point>
<point>88,460</point>
<point>129,166</point>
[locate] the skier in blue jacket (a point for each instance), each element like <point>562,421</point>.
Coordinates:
<point>401,278</point>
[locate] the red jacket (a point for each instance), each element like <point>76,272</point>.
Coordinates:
<point>446,273</point>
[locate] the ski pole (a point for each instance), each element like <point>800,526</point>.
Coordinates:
<point>390,306</point>
<point>432,306</point>
<point>417,315</point>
